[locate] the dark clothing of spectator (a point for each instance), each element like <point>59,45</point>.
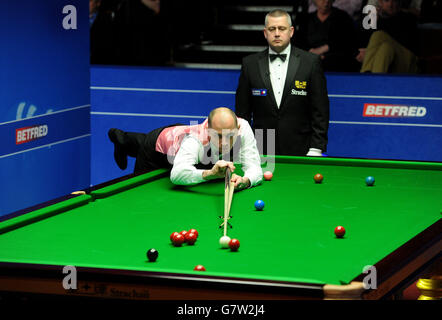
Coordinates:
<point>402,27</point>
<point>338,32</point>
<point>192,20</point>
<point>103,39</point>
<point>431,11</point>
<point>143,35</point>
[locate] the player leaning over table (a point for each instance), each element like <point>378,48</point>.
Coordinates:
<point>192,152</point>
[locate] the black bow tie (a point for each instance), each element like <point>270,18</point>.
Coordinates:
<point>280,56</point>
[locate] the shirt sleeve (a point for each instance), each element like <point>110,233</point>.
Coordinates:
<point>184,171</point>
<point>249,155</point>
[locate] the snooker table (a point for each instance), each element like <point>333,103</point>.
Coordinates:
<point>288,250</point>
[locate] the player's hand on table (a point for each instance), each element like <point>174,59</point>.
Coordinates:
<point>218,170</point>
<point>240,182</point>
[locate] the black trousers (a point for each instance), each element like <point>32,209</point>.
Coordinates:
<point>141,146</point>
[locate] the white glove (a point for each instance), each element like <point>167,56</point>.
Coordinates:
<point>313,152</point>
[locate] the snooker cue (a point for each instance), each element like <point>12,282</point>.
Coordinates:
<point>226,201</point>
<point>228,196</point>
<point>231,190</point>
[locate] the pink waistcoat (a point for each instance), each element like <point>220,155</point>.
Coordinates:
<point>169,140</point>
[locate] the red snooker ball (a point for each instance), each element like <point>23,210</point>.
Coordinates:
<point>173,235</point>
<point>339,231</point>
<point>190,238</point>
<point>199,268</point>
<point>268,175</point>
<point>194,231</point>
<point>234,244</point>
<point>178,240</point>
<point>183,233</point>
<point>318,178</point>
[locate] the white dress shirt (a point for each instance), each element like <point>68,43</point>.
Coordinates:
<point>278,73</point>
<point>191,153</point>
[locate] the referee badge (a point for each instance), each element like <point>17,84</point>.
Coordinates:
<point>300,84</point>
<point>259,92</point>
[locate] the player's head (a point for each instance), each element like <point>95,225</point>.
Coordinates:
<point>389,7</point>
<point>278,29</point>
<point>223,128</point>
<point>324,6</point>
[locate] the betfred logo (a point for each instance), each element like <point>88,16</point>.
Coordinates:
<point>28,134</point>
<point>393,111</point>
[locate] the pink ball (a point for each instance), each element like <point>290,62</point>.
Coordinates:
<point>268,175</point>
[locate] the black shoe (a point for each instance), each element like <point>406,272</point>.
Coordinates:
<point>120,156</point>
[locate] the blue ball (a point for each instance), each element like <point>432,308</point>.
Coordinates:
<point>369,181</point>
<point>259,205</point>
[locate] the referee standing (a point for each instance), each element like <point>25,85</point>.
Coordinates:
<point>284,88</point>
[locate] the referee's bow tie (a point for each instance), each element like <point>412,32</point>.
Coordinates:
<point>280,56</point>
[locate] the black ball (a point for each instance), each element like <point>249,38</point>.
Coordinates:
<point>152,255</point>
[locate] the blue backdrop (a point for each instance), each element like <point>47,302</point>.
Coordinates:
<point>141,99</point>
<point>44,83</point>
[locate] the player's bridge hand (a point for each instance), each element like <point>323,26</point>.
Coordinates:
<point>218,170</point>
<point>240,182</point>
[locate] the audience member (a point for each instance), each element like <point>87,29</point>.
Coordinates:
<point>144,36</point>
<point>330,33</point>
<point>352,7</point>
<point>392,47</point>
<point>410,6</point>
<point>192,21</point>
<point>431,11</point>
<point>146,32</point>
<point>103,31</point>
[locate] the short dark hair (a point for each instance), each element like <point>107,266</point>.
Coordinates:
<point>278,13</point>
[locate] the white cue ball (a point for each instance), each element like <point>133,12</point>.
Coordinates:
<point>224,242</point>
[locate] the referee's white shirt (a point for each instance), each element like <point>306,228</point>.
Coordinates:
<point>278,73</point>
